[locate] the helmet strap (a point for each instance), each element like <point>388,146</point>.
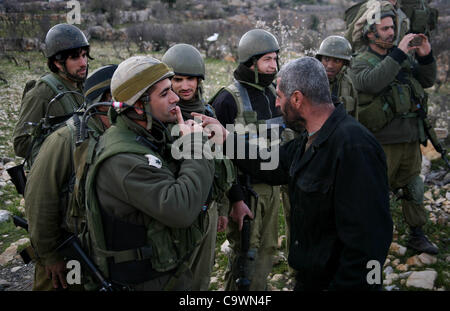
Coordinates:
<point>255,69</point>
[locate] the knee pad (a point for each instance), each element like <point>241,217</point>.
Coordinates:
<point>414,190</point>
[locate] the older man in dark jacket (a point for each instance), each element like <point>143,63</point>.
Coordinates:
<point>336,171</point>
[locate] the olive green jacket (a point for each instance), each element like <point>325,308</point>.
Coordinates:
<point>343,89</point>
<point>47,193</point>
<point>395,67</point>
<point>33,108</point>
<point>131,188</point>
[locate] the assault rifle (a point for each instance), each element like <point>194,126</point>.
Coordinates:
<point>72,249</point>
<point>243,282</point>
<point>431,134</point>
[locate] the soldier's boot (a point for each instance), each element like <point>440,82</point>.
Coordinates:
<point>419,242</point>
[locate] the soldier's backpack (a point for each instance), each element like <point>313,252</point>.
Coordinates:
<point>423,17</point>
<point>48,124</point>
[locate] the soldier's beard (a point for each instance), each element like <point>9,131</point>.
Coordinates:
<point>75,78</point>
<point>385,44</point>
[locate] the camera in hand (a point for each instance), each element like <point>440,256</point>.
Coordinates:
<point>416,41</point>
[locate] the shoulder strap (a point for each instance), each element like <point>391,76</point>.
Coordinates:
<point>59,87</point>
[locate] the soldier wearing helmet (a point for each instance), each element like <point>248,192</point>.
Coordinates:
<point>189,68</point>
<point>335,53</point>
<point>67,53</point>
<point>144,207</point>
<point>391,82</point>
<point>250,99</point>
<point>49,198</point>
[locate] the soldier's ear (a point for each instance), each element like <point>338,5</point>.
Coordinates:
<point>139,107</point>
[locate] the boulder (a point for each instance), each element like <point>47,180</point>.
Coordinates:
<point>422,279</point>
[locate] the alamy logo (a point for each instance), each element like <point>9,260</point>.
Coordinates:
<point>374,275</point>
<point>74,275</point>
<point>74,15</point>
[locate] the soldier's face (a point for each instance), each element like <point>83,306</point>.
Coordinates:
<point>184,86</point>
<point>385,30</point>
<point>332,65</point>
<point>267,64</point>
<point>163,102</point>
<point>76,65</point>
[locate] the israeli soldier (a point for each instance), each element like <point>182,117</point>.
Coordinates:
<point>335,53</point>
<point>250,100</point>
<point>189,68</point>
<point>357,15</point>
<point>390,81</point>
<point>144,207</point>
<point>49,190</point>
<point>67,52</point>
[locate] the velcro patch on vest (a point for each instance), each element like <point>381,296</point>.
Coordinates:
<point>153,161</point>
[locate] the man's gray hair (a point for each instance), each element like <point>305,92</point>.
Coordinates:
<point>307,75</point>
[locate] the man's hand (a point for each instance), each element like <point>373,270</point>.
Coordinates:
<point>222,223</point>
<point>217,133</point>
<point>404,43</point>
<point>425,48</point>
<point>238,211</point>
<point>57,273</point>
<point>187,127</point>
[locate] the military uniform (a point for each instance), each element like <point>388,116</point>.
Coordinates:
<point>343,90</point>
<point>59,40</point>
<point>50,186</point>
<point>144,208</point>
<point>186,60</point>
<point>341,86</point>
<point>149,201</point>
<point>34,106</point>
<point>230,110</point>
<point>355,20</point>
<point>390,86</point>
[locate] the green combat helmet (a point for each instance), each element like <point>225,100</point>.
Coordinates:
<point>335,46</point>
<point>63,37</point>
<point>133,77</point>
<point>185,60</point>
<point>256,42</point>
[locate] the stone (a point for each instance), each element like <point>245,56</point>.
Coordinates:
<point>213,280</point>
<point>8,254</point>
<point>396,262</point>
<point>427,259</point>
<point>277,277</point>
<point>225,247</point>
<point>397,249</point>
<point>388,270</point>
<point>15,269</point>
<point>392,277</point>
<point>414,261</point>
<point>404,275</point>
<point>280,240</point>
<point>4,215</point>
<point>402,267</point>
<point>422,279</point>
<point>387,262</point>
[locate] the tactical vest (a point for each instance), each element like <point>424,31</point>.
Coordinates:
<point>47,126</point>
<point>151,250</point>
<point>246,116</point>
<point>397,100</point>
<point>343,90</point>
